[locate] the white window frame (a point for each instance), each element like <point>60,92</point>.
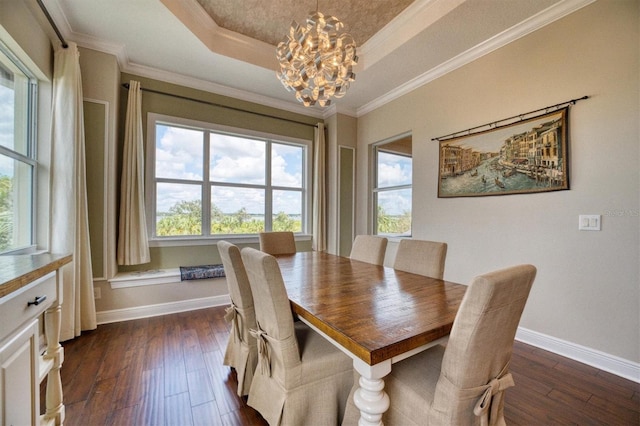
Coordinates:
<point>207,238</point>
<point>375,190</point>
<point>30,97</point>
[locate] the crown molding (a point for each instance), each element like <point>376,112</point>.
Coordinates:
<point>195,83</point>
<point>220,40</point>
<point>415,18</point>
<point>540,20</point>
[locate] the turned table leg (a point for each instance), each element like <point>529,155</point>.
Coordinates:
<point>370,397</point>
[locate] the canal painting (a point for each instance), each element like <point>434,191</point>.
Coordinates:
<point>524,157</point>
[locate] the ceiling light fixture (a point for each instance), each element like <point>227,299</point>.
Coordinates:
<point>315,61</point>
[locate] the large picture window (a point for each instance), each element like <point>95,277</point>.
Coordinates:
<point>211,181</point>
<point>392,188</point>
<point>18,91</point>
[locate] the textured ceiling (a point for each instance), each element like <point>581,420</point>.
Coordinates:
<point>269,21</point>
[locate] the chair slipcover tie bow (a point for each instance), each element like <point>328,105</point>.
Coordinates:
<point>231,315</point>
<point>486,407</point>
<point>490,398</point>
<point>264,360</point>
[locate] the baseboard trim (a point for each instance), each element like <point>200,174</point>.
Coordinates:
<point>610,363</point>
<point>126,314</point>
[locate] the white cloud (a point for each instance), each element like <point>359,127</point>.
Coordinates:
<point>237,160</point>
<point>179,153</point>
<point>393,170</point>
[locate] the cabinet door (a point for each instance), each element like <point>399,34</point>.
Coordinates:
<point>19,394</point>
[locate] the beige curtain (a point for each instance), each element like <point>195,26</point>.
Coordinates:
<point>319,232</point>
<point>69,219</point>
<point>133,246</point>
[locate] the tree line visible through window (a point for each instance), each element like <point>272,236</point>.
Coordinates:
<point>211,183</point>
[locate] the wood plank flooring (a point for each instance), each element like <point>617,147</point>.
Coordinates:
<point>168,371</point>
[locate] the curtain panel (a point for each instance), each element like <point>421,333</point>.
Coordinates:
<point>69,222</point>
<point>133,244</point>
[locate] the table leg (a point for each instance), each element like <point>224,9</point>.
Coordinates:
<point>370,397</point>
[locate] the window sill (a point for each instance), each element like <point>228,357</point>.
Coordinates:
<point>233,239</point>
<point>142,278</point>
<point>150,277</point>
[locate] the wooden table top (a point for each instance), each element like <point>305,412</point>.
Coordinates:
<point>19,270</point>
<point>374,312</point>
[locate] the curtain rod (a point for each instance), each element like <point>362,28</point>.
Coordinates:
<point>494,124</point>
<point>126,86</point>
<point>53,24</point>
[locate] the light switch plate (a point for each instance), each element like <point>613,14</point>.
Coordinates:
<point>589,222</point>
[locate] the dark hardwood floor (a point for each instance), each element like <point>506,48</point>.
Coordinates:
<point>168,371</point>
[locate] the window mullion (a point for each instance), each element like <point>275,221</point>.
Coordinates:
<point>206,185</point>
<point>268,195</point>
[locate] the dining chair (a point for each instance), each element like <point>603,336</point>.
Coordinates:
<point>242,350</point>
<point>421,257</point>
<point>301,377</point>
<point>369,248</point>
<point>464,382</point>
<point>277,242</point>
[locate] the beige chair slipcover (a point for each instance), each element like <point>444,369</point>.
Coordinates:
<point>242,351</point>
<point>301,378</point>
<point>464,383</point>
<point>281,242</point>
<point>369,248</point>
<point>421,257</point>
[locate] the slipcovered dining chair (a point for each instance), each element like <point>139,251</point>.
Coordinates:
<point>301,377</point>
<point>464,383</point>
<point>242,351</point>
<point>277,242</point>
<point>369,248</point>
<point>421,257</point>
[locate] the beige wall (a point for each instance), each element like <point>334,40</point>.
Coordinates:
<point>587,291</point>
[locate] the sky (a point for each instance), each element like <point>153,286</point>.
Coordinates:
<point>180,155</point>
<point>394,170</point>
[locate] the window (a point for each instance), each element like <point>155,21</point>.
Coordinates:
<point>392,188</point>
<point>18,91</point>
<point>211,181</point>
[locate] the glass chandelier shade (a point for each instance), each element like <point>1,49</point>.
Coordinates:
<point>315,62</point>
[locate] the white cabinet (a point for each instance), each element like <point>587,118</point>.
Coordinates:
<point>19,370</point>
<point>30,297</point>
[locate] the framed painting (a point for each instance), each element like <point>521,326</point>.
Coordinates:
<point>524,157</point>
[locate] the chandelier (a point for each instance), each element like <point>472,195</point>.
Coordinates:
<point>315,62</point>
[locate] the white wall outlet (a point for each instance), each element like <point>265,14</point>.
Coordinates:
<point>589,222</point>
<point>97,292</point>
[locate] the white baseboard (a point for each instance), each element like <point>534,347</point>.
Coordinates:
<point>116,315</point>
<point>603,361</point>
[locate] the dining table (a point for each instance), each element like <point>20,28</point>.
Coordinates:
<point>376,315</point>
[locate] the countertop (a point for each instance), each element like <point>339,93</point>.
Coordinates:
<point>19,270</point>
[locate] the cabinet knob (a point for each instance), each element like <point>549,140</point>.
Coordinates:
<point>37,300</point>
